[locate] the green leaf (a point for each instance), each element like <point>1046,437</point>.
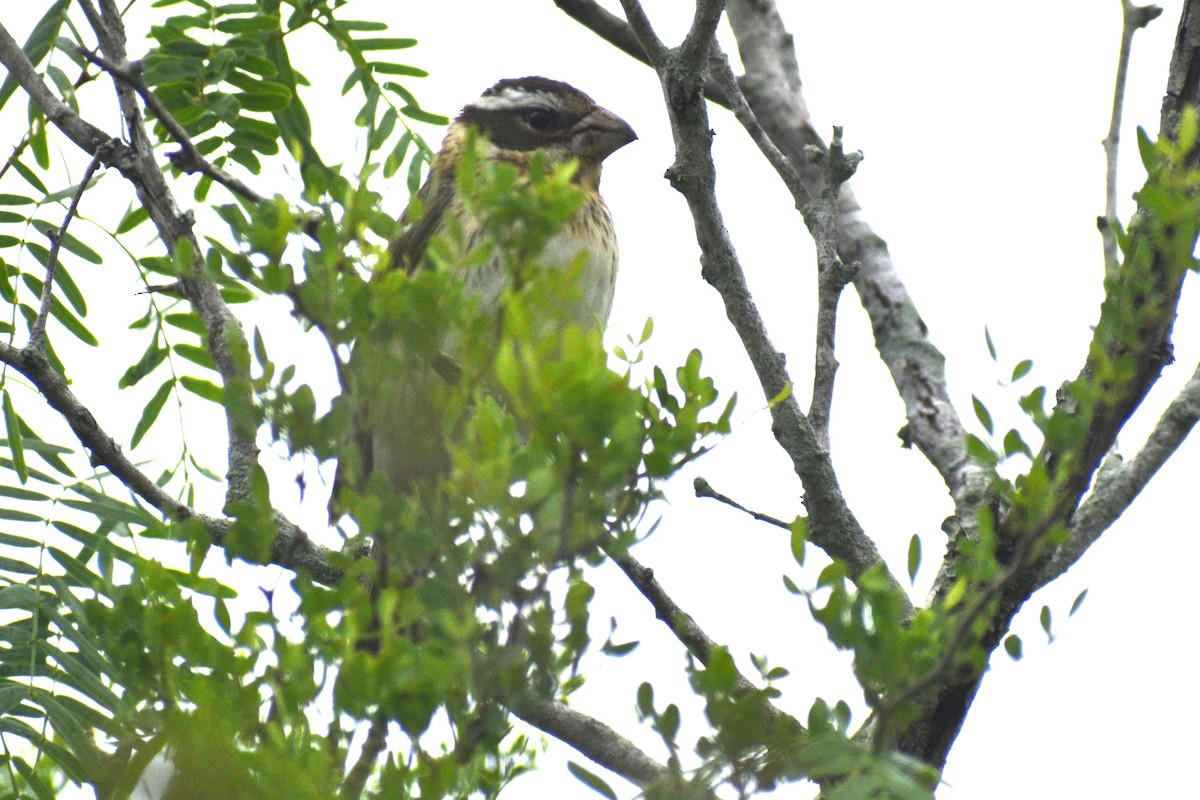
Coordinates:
<point>784,394</point>
<point>421,115</point>
<point>195,354</point>
<point>266,96</point>
<point>259,23</point>
<point>151,411</point>
<point>150,359</point>
<point>914,557</point>
<point>36,782</point>
<point>1045,619</point>
<point>1021,370</point>
<point>958,590</point>
<point>16,442</point>
<point>202,388</point>
<point>135,216</point>
<point>1146,150</point>
<point>991,346</point>
<point>29,175</point>
<point>383,43</point>
<point>591,780</point>
<point>1012,646</point>
<point>982,414</point>
<point>645,700</point>
<point>1189,126</point>
<point>385,68</point>
<point>799,537</point>
<point>186,321</point>
<point>1013,444</point>
<point>1078,602</point>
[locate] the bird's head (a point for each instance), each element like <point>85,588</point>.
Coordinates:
<point>520,116</point>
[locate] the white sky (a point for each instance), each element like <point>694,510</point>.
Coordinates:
<point>981,125</point>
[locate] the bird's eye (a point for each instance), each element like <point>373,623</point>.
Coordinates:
<point>539,118</point>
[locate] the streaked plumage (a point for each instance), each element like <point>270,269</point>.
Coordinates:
<point>517,118</point>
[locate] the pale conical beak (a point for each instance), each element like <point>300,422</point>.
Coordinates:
<point>600,134</point>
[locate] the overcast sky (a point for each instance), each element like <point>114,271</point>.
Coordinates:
<point>981,125</point>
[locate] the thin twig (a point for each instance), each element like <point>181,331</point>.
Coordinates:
<point>1133,18</point>
<point>188,159</point>
<point>616,31</point>
<point>37,331</point>
<point>703,488</point>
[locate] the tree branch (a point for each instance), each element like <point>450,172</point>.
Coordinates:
<point>225,339</point>
<point>1117,484</point>
<point>292,548</point>
<point>589,736</point>
<point>685,629</point>
<point>1130,347</point>
<point>833,526</point>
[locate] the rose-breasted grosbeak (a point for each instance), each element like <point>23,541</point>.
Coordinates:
<point>516,118</point>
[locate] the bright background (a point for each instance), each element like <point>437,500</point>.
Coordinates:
<point>981,125</point>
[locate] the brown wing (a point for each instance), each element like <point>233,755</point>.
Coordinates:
<point>434,199</point>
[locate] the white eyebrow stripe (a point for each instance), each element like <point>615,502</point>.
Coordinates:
<point>511,98</point>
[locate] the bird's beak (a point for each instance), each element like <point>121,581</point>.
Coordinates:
<point>600,134</point>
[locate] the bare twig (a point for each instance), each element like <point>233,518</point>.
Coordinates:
<point>188,158</point>
<point>703,488</point>
<point>37,331</point>
<point>1134,17</point>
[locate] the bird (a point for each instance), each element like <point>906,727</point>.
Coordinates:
<point>517,119</point>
